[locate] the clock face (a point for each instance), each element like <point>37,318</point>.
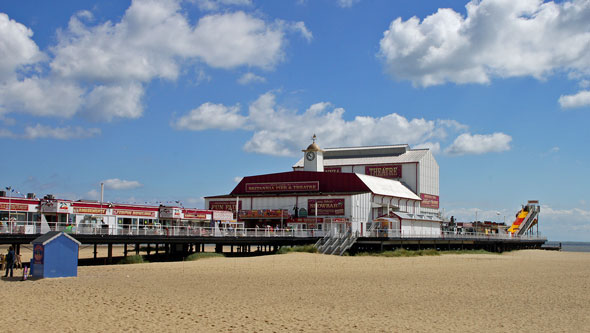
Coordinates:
<point>310,155</point>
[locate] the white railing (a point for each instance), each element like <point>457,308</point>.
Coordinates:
<point>21,227</point>
<point>396,233</point>
<point>170,231</point>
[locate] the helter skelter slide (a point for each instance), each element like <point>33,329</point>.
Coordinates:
<point>526,218</point>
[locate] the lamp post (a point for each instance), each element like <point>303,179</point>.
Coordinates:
<point>9,189</point>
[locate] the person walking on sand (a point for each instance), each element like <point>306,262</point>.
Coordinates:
<point>9,261</point>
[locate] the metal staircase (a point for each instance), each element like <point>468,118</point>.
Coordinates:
<point>336,244</point>
<point>531,218</point>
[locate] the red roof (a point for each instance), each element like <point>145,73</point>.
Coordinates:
<point>328,182</point>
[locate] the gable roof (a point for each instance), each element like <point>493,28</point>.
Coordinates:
<point>51,235</point>
<point>331,183</point>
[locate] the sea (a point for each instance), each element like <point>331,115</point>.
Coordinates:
<point>571,246</point>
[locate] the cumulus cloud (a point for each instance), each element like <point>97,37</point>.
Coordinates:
<point>479,144</point>
<point>115,101</point>
<point>16,46</point>
<point>536,39</point>
<point>61,133</point>
<point>347,3</point>
<point>578,100</point>
<point>211,116</point>
<point>120,184</point>
<point>100,70</point>
<point>250,78</point>
<point>217,4</point>
<point>277,130</point>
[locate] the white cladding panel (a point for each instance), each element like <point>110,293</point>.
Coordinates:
<point>429,179</point>
<point>420,228</point>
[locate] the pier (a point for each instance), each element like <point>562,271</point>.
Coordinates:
<point>175,243</point>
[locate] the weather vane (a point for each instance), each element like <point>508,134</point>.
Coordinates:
<point>313,138</point>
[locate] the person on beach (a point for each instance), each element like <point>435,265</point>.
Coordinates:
<point>9,261</point>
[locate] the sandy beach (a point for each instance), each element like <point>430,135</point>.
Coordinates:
<point>524,291</point>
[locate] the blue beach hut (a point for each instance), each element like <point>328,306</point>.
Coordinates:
<point>55,254</point>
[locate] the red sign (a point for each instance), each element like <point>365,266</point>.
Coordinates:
<point>264,214</point>
<point>129,212</point>
<point>325,207</point>
<point>87,210</point>
<point>228,205</point>
<point>385,171</point>
<point>283,187</point>
<point>307,220</point>
<point>18,207</point>
<point>429,201</point>
<point>195,214</point>
<point>333,169</point>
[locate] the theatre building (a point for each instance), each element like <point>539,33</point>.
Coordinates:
<point>342,189</point>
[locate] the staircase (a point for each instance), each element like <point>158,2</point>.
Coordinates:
<point>530,220</point>
<point>336,244</point>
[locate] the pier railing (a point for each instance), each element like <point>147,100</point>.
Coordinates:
<point>192,231</point>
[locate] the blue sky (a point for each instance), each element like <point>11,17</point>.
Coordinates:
<point>176,100</point>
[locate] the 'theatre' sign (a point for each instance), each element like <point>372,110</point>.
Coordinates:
<point>385,171</point>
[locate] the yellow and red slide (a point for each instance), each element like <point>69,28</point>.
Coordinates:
<point>526,218</point>
<point>519,218</point>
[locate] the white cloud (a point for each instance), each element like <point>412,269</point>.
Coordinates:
<point>433,146</point>
<point>114,101</point>
<point>100,69</point>
<point>119,184</point>
<point>250,78</point>
<point>479,144</point>
<point>209,116</point>
<point>280,131</point>
<point>61,133</point>
<point>216,4</point>
<point>41,97</point>
<point>578,100</point>
<point>302,29</point>
<point>16,46</point>
<point>497,38</point>
<point>92,195</point>
<point>4,133</point>
<point>347,3</point>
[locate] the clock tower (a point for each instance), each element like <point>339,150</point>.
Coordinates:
<point>313,158</point>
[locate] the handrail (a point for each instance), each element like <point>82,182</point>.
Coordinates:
<point>327,238</point>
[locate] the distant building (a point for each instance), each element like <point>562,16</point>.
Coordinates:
<point>342,189</point>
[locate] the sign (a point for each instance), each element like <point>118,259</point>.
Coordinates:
<point>429,201</point>
<point>302,212</point>
<point>19,207</point>
<point>219,215</point>
<point>333,169</point>
<point>129,212</point>
<point>197,215</point>
<point>88,210</point>
<point>229,205</point>
<point>170,212</point>
<point>264,214</point>
<point>325,207</point>
<point>306,220</point>
<point>283,187</point>
<point>38,254</point>
<point>385,171</point>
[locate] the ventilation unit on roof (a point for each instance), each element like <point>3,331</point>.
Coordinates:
<point>2,193</point>
<point>49,197</point>
<point>31,196</point>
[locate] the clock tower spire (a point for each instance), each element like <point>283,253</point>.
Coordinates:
<point>313,159</point>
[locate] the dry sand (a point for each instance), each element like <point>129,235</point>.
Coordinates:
<point>524,291</point>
